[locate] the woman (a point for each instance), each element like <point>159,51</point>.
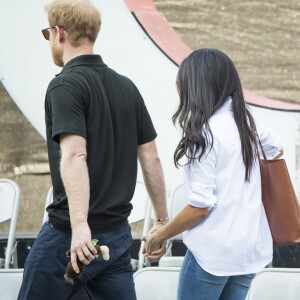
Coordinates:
<point>228,237</point>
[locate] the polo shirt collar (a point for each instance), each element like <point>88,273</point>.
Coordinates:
<point>86,59</point>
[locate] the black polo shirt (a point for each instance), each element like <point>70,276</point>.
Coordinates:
<point>91,100</point>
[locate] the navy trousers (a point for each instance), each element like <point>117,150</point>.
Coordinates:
<point>102,280</point>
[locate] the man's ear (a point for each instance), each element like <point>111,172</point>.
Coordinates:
<point>61,34</point>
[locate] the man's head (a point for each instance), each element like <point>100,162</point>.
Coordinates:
<point>76,21</point>
<point>79,18</point>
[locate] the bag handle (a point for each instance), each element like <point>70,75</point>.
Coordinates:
<point>261,147</point>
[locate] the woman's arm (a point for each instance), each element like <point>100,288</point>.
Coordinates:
<point>186,219</point>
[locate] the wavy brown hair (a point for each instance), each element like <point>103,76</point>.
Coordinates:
<point>205,80</point>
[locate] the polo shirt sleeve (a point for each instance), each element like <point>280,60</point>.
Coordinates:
<point>270,141</point>
<point>67,112</point>
<point>147,132</point>
<point>199,178</point>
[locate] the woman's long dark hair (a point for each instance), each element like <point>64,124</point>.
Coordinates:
<point>205,80</point>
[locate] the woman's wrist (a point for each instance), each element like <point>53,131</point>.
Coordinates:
<point>157,239</point>
<point>159,235</point>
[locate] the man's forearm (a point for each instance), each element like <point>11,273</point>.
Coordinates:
<point>153,178</point>
<point>75,177</point>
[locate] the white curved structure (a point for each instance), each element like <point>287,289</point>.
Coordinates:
<point>26,68</point>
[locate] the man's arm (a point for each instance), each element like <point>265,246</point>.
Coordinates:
<point>75,178</point>
<point>155,184</point>
<point>154,178</point>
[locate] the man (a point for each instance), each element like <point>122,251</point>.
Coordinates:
<point>97,125</point>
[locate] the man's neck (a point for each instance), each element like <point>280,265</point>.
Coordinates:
<point>72,52</point>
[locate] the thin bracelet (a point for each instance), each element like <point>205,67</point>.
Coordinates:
<point>162,221</point>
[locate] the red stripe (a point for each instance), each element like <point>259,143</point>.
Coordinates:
<point>165,37</point>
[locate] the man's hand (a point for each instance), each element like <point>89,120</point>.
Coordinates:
<point>82,246</point>
<point>154,248</point>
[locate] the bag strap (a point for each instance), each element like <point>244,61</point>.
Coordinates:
<point>261,147</point>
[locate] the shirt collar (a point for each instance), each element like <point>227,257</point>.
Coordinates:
<point>86,59</point>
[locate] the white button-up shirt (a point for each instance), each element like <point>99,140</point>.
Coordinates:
<point>234,238</point>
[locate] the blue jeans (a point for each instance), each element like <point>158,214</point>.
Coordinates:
<point>197,284</point>
<point>106,280</point>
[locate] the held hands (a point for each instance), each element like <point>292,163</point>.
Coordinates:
<point>154,247</point>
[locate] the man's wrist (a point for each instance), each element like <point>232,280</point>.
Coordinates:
<point>78,224</point>
<point>162,221</point>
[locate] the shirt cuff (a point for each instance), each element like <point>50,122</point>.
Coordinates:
<point>201,196</point>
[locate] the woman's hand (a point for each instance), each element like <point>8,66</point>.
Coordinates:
<point>154,247</point>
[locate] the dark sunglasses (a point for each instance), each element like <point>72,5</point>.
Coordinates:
<point>46,32</point>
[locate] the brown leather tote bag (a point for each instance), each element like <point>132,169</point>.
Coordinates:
<point>280,201</point>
